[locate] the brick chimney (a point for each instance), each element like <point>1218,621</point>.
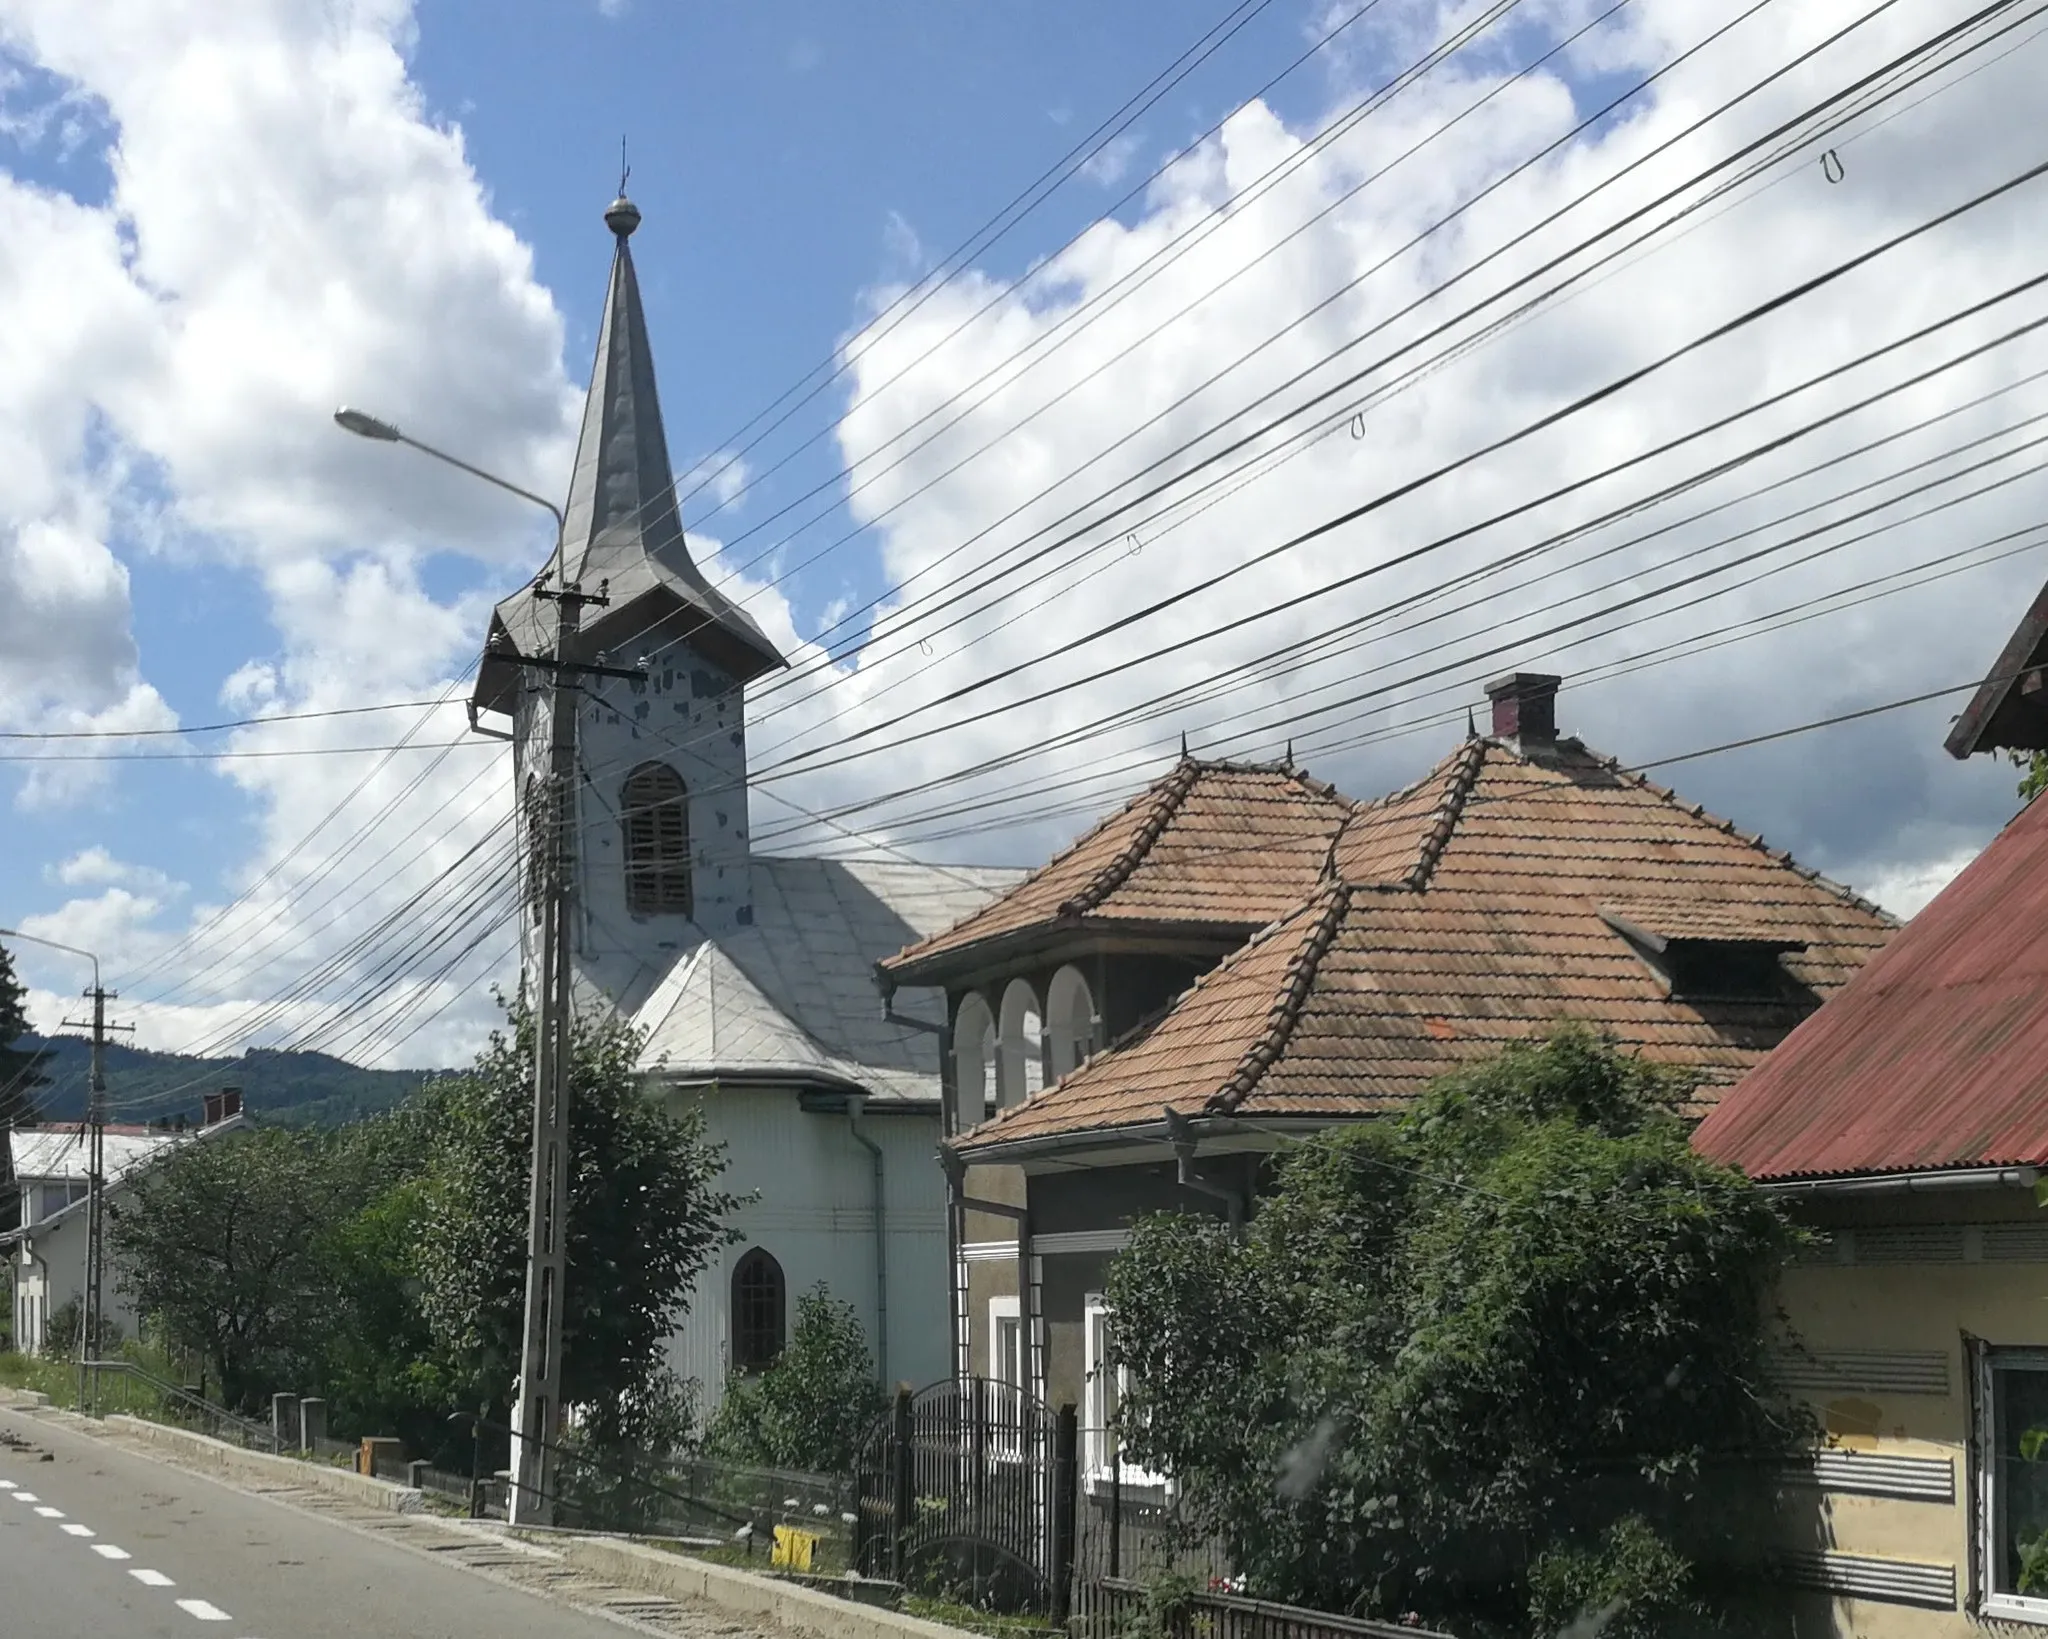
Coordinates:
<point>1525,708</point>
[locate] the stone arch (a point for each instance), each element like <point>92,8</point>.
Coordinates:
<point>1070,1022</point>
<point>974,1060</point>
<point>1020,1063</point>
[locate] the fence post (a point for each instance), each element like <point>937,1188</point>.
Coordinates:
<point>904,1496</point>
<point>284,1422</point>
<point>1065,1482</point>
<point>413,1472</point>
<point>1116,1506</point>
<point>312,1423</point>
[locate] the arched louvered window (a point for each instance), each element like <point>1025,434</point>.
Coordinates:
<point>656,811</point>
<point>758,1297</point>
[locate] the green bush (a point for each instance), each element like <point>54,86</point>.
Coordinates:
<point>812,1407</point>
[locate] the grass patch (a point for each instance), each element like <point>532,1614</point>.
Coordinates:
<point>39,1373</point>
<point>954,1614</point>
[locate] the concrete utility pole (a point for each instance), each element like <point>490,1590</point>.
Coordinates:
<point>91,1302</point>
<point>536,1416</point>
<point>92,1319</point>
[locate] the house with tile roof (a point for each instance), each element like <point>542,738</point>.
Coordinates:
<point>751,976</point>
<point>1906,1123</point>
<point>1525,880</point>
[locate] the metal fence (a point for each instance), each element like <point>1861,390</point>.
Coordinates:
<point>122,1388</point>
<point>1121,1605</point>
<point>966,1489</point>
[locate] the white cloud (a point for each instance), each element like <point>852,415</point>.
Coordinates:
<point>1110,163</point>
<point>94,866</point>
<point>287,230</point>
<point>1876,802</point>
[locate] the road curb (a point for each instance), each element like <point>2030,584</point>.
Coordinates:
<point>742,1592</point>
<point>238,1463</point>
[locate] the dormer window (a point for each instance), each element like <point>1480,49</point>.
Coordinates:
<point>655,811</point>
<point>1707,953</point>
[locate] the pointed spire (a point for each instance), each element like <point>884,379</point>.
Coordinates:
<point>1183,745</point>
<point>623,522</point>
<point>1471,725</point>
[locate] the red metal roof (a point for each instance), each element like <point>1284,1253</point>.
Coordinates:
<point>1935,1055</point>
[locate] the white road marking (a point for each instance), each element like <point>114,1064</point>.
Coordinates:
<point>6,1485</point>
<point>74,1529</point>
<point>204,1611</point>
<point>26,1496</point>
<point>153,1579</point>
<point>106,1550</point>
<point>50,1513</point>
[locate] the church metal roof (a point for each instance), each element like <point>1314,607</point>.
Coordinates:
<point>793,997</point>
<point>623,525</point>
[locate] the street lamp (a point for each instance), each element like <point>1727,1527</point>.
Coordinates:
<point>537,1412</point>
<point>90,1305</point>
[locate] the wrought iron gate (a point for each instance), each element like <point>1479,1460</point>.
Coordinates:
<point>968,1487</point>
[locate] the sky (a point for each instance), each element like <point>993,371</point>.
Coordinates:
<point>940,298</point>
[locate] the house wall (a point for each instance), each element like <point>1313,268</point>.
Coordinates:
<point>49,1272</point>
<point>815,1215</point>
<point>1884,1310</point>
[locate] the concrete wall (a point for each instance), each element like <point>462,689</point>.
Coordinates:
<point>815,1215</point>
<point>1884,1315</point>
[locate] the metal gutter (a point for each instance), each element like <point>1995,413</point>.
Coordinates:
<point>855,1107</point>
<point>1908,1183</point>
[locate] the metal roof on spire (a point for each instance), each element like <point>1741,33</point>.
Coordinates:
<point>623,524</point>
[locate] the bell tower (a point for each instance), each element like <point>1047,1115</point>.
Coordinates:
<point>659,835</point>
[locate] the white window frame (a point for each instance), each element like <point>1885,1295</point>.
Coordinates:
<point>1008,1311</point>
<point>2011,1607</point>
<point>1096,1463</point>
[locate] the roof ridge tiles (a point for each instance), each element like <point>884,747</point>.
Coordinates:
<point>1754,839</point>
<point>1168,796</point>
<point>1458,784</point>
<point>1285,1014</point>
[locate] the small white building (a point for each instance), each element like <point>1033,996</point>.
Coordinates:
<point>47,1247</point>
<point>753,976</point>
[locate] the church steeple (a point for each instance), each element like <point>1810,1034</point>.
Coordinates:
<point>623,526</point>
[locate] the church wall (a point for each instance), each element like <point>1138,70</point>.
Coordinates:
<point>815,1216</point>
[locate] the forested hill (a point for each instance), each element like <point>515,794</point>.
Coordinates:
<point>300,1088</point>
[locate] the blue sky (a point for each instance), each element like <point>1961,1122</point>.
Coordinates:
<point>217,223</point>
<point>789,160</point>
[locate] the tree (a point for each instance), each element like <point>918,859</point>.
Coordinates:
<point>2035,780</point>
<point>644,1214</point>
<point>813,1406</point>
<point>222,1244</point>
<point>1501,1358</point>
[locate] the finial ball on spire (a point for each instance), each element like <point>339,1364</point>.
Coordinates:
<point>622,216</point>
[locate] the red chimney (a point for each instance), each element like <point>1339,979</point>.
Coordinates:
<point>230,1102</point>
<point>209,1109</point>
<point>1525,707</point>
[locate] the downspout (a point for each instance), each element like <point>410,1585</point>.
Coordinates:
<point>1182,1137</point>
<point>855,1107</point>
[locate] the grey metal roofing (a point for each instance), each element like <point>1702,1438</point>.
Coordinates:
<point>623,524</point>
<point>794,996</point>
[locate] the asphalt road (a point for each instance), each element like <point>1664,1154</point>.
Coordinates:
<point>101,1542</point>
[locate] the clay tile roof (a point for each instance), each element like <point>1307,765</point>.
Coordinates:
<point>1211,846</point>
<point>1934,1056</point>
<point>1465,913</point>
<point>1662,922</point>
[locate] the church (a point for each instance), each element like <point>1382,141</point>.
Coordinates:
<point>751,975</point>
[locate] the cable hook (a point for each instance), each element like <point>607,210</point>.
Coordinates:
<point>924,645</point>
<point>1136,545</point>
<point>1358,424</point>
<point>1831,166</point>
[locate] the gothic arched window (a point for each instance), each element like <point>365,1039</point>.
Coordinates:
<point>757,1311</point>
<point>656,813</point>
